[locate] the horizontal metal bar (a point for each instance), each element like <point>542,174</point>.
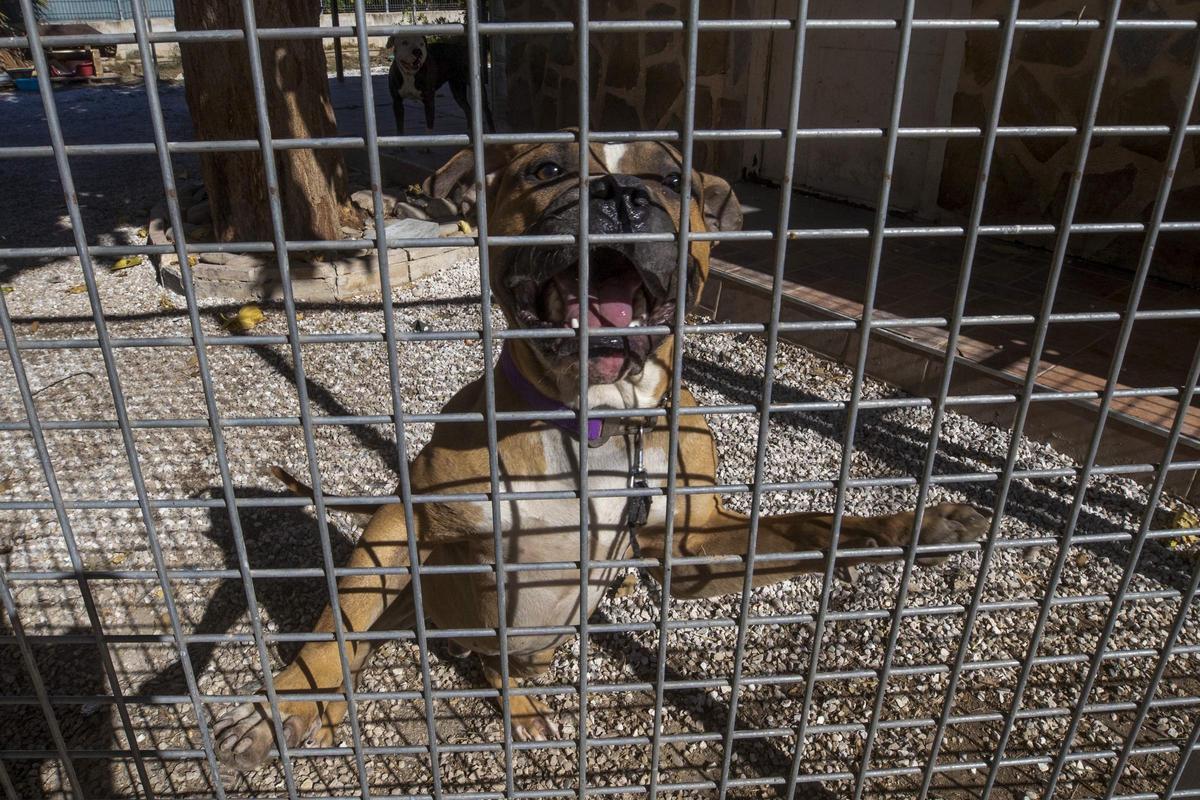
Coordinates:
<point>461,140</point>
<point>550,27</point>
<point>530,240</point>
<point>875,404</point>
<point>993,607</point>
<point>566,494</point>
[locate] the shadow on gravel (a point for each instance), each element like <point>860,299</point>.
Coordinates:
<point>65,669</point>
<point>906,451</point>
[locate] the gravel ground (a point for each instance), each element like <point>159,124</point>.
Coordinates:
<point>352,379</point>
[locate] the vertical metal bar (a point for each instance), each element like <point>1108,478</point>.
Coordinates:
<point>6,784</point>
<point>489,379</point>
<point>860,366</point>
<point>1160,668</point>
<point>1184,403</point>
<point>681,302</point>
<point>764,410</point>
<point>150,75</point>
<point>389,331</point>
<point>337,42</point>
<point>939,408</point>
<point>1184,757</point>
<point>1085,473</point>
<point>279,239</point>
<point>14,621</point>
<point>77,228</point>
<point>213,414</point>
<point>585,162</point>
<point>1035,355</point>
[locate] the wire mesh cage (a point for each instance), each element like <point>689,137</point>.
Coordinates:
<point>160,587</point>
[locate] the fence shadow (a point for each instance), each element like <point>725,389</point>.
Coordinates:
<point>65,669</point>
<point>276,538</point>
<point>907,446</point>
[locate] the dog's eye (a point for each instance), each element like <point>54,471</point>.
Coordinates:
<point>546,170</point>
<point>672,181</point>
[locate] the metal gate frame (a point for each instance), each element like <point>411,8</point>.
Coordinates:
<point>473,29</point>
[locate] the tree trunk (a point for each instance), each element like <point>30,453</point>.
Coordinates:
<point>221,100</point>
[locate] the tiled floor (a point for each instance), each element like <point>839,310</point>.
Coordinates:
<point>918,277</point>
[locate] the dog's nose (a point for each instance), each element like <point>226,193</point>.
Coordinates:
<point>620,201</point>
<point>628,189</point>
<point>416,52</point>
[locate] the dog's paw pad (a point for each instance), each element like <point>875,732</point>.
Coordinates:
<point>243,735</point>
<point>533,721</point>
<point>951,523</point>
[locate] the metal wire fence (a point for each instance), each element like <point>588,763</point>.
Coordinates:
<point>933,774</point>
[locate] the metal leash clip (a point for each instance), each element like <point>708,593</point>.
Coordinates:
<point>637,510</point>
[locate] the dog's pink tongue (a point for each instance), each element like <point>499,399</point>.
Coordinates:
<point>610,304</point>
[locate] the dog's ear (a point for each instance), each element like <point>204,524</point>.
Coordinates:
<point>455,180</point>
<point>722,211</point>
<point>390,44</point>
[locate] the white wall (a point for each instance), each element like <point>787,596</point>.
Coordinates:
<point>847,83</point>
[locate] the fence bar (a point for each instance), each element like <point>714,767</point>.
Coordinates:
<point>1089,460</point>
<point>939,408</point>
<point>61,752</point>
<point>764,423</point>
<point>270,173</point>
<point>583,290</point>
<point>682,299</point>
<point>1038,345</point>
<point>398,417</point>
<point>843,481</point>
<point>1152,501</point>
<point>475,55</point>
<point>600,26</point>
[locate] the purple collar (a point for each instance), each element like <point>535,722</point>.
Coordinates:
<point>540,402</point>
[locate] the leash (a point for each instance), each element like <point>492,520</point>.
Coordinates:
<point>637,509</point>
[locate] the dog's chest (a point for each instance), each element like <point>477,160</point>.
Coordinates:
<point>548,530</point>
<point>406,85</point>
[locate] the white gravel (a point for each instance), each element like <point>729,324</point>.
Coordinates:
<point>352,379</point>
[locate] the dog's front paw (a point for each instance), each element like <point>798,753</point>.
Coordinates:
<point>244,734</point>
<point>951,523</point>
<point>532,720</point>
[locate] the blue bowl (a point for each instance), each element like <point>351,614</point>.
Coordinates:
<point>26,84</point>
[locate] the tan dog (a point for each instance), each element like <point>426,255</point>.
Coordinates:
<point>535,189</point>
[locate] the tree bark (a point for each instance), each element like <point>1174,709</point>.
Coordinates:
<point>220,97</point>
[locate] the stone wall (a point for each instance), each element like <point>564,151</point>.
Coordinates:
<point>1048,84</point>
<point>636,79</point>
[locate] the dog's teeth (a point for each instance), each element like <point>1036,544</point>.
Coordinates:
<point>575,323</point>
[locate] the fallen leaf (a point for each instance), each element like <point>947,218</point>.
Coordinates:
<point>127,262</point>
<point>5,484</point>
<point>1183,518</point>
<point>464,226</point>
<point>193,261</point>
<point>7,289</point>
<point>165,303</point>
<point>246,319</point>
<point>299,316</point>
<point>33,326</point>
<point>78,288</point>
<point>118,559</point>
<point>142,232</point>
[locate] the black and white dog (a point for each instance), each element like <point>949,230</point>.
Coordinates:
<point>420,68</point>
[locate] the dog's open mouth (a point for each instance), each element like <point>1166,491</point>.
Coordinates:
<point>620,295</point>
